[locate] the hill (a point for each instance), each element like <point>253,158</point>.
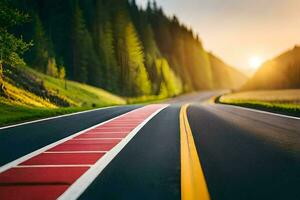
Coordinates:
<point>31,95</point>
<point>225,76</point>
<point>282,72</point>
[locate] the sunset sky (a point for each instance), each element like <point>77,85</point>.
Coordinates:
<point>242,32</point>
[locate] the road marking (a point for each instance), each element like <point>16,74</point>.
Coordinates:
<point>39,166</point>
<point>261,111</point>
<point>32,154</point>
<point>87,139</point>
<point>55,152</point>
<point>86,179</point>
<point>105,132</point>
<point>85,168</point>
<point>193,185</point>
<point>56,117</point>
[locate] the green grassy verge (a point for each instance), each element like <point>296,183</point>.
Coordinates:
<point>146,99</point>
<point>32,95</point>
<point>281,108</point>
<point>11,114</point>
<point>79,94</point>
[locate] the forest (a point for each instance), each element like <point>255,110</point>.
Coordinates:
<point>110,44</point>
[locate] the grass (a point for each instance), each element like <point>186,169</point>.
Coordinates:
<point>79,94</point>
<point>278,101</point>
<point>146,99</point>
<point>23,104</point>
<point>11,114</point>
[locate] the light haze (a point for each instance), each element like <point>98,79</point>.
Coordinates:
<point>240,30</point>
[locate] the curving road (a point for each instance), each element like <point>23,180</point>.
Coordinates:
<point>244,154</point>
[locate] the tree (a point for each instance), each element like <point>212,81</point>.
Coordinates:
<point>137,74</point>
<point>86,66</point>
<point>62,72</point>
<point>171,82</point>
<point>12,47</point>
<point>109,57</point>
<point>52,69</point>
<point>40,51</point>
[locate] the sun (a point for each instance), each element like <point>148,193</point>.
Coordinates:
<point>255,62</point>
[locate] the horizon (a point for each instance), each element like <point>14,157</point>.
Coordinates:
<point>249,21</point>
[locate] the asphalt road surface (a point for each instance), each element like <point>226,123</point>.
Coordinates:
<point>244,154</point>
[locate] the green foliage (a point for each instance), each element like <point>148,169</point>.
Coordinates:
<point>52,69</point>
<point>137,74</point>
<point>62,72</point>
<point>80,39</point>
<point>171,83</point>
<point>86,66</point>
<point>41,46</point>
<point>11,46</point>
<point>106,51</point>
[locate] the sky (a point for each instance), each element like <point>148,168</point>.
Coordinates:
<point>244,33</point>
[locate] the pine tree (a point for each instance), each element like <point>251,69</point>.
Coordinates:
<point>52,69</point>
<point>86,66</point>
<point>171,82</point>
<point>137,74</point>
<point>40,51</point>
<point>80,62</point>
<point>107,43</point>
<point>12,47</point>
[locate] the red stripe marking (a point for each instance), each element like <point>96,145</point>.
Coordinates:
<point>83,147</point>
<point>102,135</point>
<point>104,132</point>
<point>41,175</point>
<point>50,182</point>
<point>86,145</point>
<point>110,129</point>
<point>64,159</point>
<point>37,183</point>
<point>37,192</point>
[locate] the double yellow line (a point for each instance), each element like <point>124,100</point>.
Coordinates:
<point>193,185</point>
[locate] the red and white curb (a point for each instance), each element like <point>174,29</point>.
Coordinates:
<point>64,169</point>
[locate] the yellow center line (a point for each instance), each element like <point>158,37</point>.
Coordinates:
<point>193,185</point>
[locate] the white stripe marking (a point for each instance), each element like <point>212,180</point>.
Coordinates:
<point>57,152</point>
<point>56,117</point>
<point>98,139</point>
<point>98,132</point>
<point>39,151</point>
<point>81,184</point>
<point>40,166</point>
<point>262,111</point>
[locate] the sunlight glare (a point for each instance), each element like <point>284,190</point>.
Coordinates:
<point>255,62</point>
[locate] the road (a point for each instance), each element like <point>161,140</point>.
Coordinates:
<point>243,154</point>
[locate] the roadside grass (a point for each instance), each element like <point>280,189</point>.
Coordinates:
<point>21,97</point>
<point>279,101</point>
<point>24,101</point>
<point>146,99</point>
<point>79,94</point>
<point>11,114</point>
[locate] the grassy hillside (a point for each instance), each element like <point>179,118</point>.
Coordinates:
<point>282,72</point>
<point>31,95</point>
<point>225,76</point>
<point>281,101</point>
